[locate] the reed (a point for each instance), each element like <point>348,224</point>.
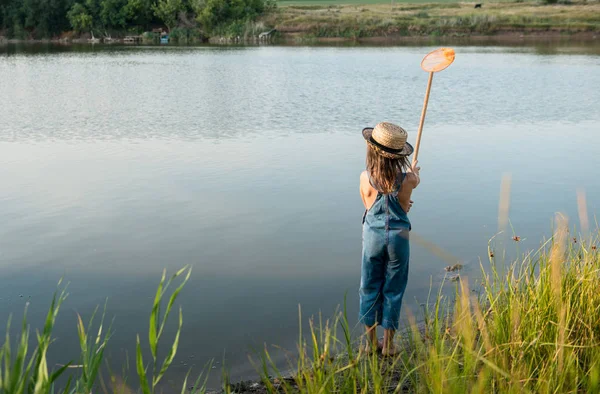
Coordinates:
<point>535,328</point>
<point>25,370</point>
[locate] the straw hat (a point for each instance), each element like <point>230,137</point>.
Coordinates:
<point>388,140</point>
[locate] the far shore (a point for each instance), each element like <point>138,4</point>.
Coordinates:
<point>402,23</point>
<point>512,37</point>
<point>296,39</point>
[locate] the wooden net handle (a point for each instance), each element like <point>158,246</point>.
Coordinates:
<point>418,142</point>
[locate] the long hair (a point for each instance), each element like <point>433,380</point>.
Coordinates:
<point>384,171</point>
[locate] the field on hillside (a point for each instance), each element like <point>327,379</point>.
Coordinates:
<point>441,19</point>
<point>284,3</point>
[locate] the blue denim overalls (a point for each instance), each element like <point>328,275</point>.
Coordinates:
<point>385,255</point>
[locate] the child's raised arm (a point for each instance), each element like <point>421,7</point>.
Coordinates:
<point>410,183</point>
<point>414,174</point>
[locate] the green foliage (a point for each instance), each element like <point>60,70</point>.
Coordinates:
<point>216,14</point>
<point>139,12</point>
<point>27,372</point>
<point>156,328</point>
<point>149,37</point>
<point>17,31</point>
<point>92,352</point>
<point>167,11</point>
<point>186,35</point>
<point>79,18</point>
<point>42,18</point>
<point>113,13</point>
<point>240,28</point>
<point>48,18</point>
<point>94,7</point>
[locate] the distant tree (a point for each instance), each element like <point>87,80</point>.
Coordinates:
<point>45,17</point>
<point>167,11</point>
<point>94,7</point>
<point>139,12</point>
<point>79,18</point>
<point>4,4</point>
<point>113,13</point>
<point>13,18</point>
<point>214,13</point>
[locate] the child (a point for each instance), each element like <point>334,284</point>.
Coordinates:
<point>385,189</point>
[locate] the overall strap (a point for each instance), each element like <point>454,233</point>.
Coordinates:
<point>399,181</point>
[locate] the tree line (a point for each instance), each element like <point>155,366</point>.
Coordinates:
<point>49,18</point>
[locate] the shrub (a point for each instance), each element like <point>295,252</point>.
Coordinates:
<point>79,18</point>
<point>185,35</point>
<point>220,14</point>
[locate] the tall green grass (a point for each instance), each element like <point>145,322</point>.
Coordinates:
<point>532,326</point>
<point>28,372</point>
<point>24,370</point>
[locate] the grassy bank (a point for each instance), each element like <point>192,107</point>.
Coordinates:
<point>317,20</point>
<point>529,326</point>
<point>533,329</point>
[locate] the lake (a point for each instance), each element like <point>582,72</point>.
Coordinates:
<point>118,162</point>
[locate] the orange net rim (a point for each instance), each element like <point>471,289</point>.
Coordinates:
<point>438,59</point>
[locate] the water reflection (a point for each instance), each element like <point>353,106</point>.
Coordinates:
<point>214,93</point>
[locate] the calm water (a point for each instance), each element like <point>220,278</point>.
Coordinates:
<point>244,162</point>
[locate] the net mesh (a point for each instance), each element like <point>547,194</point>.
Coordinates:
<point>438,60</point>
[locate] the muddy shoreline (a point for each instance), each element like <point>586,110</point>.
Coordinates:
<point>505,37</point>
<point>279,383</point>
<point>299,38</point>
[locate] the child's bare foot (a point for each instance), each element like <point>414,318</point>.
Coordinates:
<point>370,348</point>
<point>390,350</point>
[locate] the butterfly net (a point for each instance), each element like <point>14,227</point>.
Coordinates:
<point>438,60</point>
